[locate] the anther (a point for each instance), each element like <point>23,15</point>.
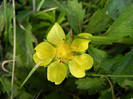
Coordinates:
<point>63,39</point>
<point>61,61</point>
<point>70,59</point>
<point>74,53</point>
<point>51,47</point>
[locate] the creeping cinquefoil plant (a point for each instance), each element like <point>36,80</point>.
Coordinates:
<point>61,55</point>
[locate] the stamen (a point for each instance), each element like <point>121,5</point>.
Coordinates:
<point>51,47</point>
<point>75,47</point>
<point>63,39</point>
<point>71,37</point>
<point>74,53</point>
<point>77,50</point>
<point>57,58</point>
<point>61,61</point>
<point>70,59</point>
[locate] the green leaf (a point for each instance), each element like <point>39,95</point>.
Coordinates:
<point>128,95</point>
<point>2,23</point>
<point>6,85</point>
<point>50,16</point>
<point>75,15</point>
<point>106,94</point>
<point>24,47</point>
<point>127,83</point>
<point>99,22</point>
<point>115,7</point>
<point>98,55</point>
<point>120,65</point>
<point>43,21</point>
<point>124,67</point>
<point>61,17</point>
<point>52,3</point>
<point>108,64</point>
<point>93,85</point>
<point>123,25</point>
<point>24,95</point>
<point>125,64</point>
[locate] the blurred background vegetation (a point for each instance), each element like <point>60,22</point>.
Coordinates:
<point>111,76</point>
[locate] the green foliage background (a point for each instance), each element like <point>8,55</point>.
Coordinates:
<point>111,23</point>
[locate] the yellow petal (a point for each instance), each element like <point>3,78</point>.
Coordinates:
<point>37,60</point>
<point>80,44</point>
<point>56,72</point>
<point>79,64</point>
<point>45,52</point>
<point>56,35</point>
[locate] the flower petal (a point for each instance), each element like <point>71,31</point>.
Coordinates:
<point>79,64</point>
<point>80,44</point>
<point>37,60</point>
<point>45,52</point>
<point>56,35</point>
<point>56,72</point>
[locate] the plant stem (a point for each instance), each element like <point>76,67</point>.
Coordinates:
<point>29,75</point>
<point>14,47</point>
<point>40,5</point>
<point>106,40</point>
<point>111,86</point>
<point>99,75</point>
<point>34,6</point>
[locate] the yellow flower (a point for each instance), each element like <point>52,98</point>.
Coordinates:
<point>61,55</point>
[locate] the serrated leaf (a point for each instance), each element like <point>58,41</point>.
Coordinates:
<point>125,64</point>
<point>61,17</point>
<point>106,94</point>
<point>52,3</point>
<point>102,19</point>
<point>108,64</point>
<point>99,22</point>
<point>123,25</point>
<point>93,85</point>
<point>124,67</point>
<point>115,7</point>
<point>127,83</point>
<point>75,15</point>
<point>120,65</point>
<point>43,21</point>
<point>50,16</point>
<point>97,55</point>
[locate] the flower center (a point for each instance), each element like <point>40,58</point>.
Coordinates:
<point>64,51</point>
